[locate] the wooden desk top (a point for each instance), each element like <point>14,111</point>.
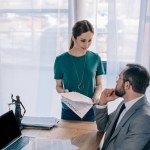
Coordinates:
<point>82,134</point>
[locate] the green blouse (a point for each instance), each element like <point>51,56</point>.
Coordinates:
<point>78,73</point>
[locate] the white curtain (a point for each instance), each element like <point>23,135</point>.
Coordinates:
<point>127,34</point>
<point>82,10</point>
<point>143,44</point>
<point>32,34</point>
<point>128,39</point>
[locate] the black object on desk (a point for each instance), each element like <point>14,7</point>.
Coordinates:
<point>18,105</point>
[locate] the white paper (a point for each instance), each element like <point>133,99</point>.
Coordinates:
<point>46,144</point>
<point>78,103</point>
<point>77,97</point>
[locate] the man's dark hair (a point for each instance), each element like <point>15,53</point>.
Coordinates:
<point>138,77</point>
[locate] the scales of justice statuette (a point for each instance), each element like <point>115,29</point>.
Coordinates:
<point>18,109</point>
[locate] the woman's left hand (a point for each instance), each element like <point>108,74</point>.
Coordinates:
<point>95,99</point>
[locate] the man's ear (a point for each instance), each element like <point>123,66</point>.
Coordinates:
<point>127,85</point>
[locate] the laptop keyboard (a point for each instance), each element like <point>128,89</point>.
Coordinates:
<point>19,144</point>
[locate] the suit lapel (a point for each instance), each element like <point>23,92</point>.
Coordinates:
<point>128,114</point>
<point>122,122</point>
<point>107,136</point>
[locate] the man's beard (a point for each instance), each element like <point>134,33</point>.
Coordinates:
<point>120,92</point>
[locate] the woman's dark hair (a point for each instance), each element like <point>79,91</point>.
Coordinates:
<point>138,77</point>
<point>79,28</point>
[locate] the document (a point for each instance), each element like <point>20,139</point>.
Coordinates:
<point>46,144</point>
<point>78,103</point>
<point>39,122</point>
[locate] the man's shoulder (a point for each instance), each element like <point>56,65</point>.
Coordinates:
<point>145,109</point>
<point>142,115</point>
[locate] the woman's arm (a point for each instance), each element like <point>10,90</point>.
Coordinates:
<point>59,87</point>
<point>98,89</point>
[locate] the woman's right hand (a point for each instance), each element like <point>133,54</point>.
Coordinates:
<point>66,90</point>
<point>59,87</point>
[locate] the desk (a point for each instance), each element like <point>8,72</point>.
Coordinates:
<point>82,134</point>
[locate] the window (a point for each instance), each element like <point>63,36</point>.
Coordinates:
<point>97,13</point>
<point>29,27</point>
<point>32,33</point>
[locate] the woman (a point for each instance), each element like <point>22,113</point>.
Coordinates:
<point>79,70</point>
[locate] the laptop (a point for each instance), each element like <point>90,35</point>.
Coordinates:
<point>10,133</point>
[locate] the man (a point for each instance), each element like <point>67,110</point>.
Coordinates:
<point>130,130</point>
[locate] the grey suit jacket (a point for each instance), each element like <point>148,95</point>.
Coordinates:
<point>132,132</point>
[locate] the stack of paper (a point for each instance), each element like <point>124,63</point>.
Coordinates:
<point>78,103</point>
<point>39,122</point>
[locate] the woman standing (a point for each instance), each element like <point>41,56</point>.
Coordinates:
<point>79,70</point>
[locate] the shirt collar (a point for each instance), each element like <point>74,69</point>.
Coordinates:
<point>132,102</point>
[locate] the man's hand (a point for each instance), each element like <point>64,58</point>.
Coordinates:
<point>106,96</point>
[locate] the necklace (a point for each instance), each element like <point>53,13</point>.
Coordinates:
<point>80,86</point>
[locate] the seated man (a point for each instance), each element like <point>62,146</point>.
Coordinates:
<point>128,127</point>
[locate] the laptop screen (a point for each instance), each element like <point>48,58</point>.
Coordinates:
<point>9,129</point>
